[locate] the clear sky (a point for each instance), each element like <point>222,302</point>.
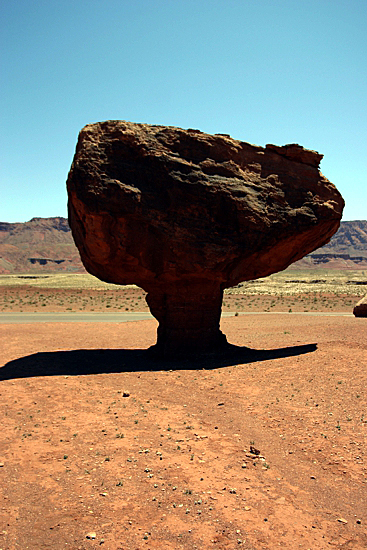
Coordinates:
<point>263,71</point>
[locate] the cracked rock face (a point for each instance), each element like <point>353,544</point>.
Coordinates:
<point>185,214</point>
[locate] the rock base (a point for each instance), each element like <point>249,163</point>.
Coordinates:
<point>189,317</point>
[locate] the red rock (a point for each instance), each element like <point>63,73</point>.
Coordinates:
<point>360,309</point>
<point>185,214</point>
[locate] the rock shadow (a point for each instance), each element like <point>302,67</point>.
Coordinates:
<point>104,361</point>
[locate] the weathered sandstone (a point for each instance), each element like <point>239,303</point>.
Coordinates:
<point>360,309</point>
<point>185,214</point>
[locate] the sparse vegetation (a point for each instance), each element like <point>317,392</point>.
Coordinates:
<point>292,290</point>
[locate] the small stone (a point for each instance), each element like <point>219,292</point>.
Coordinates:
<point>247,508</point>
<point>254,451</point>
<point>342,520</point>
<point>359,521</point>
<point>92,535</point>
<point>1,464</point>
<point>126,394</point>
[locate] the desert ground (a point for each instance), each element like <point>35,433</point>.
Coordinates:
<point>262,447</point>
<point>293,290</point>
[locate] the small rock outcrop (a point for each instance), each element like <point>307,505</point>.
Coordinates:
<point>360,309</point>
<point>185,214</point>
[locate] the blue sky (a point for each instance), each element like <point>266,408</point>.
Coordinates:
<point>264,71</point>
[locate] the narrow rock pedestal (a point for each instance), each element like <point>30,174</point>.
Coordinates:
<point>189,318</point>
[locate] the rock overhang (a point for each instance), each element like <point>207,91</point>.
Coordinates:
<point>164,207</point>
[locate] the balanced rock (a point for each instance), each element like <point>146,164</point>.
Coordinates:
<point>184,215</point>
<point>360,309</point>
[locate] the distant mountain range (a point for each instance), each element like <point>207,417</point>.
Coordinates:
<point>45,245</point>
<point>42,245</point>
<point>346,250</point>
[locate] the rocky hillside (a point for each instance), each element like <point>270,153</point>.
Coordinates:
<point>351,239</point>
<point>45,245</point>
<point>41,245</point>
<point>347,249</point>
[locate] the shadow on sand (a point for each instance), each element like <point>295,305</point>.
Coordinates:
<point>86,361</point>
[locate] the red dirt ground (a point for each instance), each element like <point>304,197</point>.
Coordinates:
<point>103,447</point>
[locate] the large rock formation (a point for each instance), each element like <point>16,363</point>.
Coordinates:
<point>360,309</point>
<point>184,215</point>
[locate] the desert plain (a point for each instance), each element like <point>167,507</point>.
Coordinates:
<point>260,448</point>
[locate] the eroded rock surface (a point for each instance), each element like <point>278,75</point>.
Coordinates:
<point>185,214</point>
<point>360,309</point>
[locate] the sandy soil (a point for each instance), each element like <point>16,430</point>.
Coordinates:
<point>103,447</point>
